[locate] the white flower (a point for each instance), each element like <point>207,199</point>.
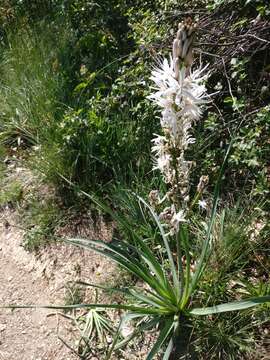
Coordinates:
<point>183,96</point>
<point>163,163</point>
<point>202,204</point>
<point>159,145</point>
<point>178,218</point>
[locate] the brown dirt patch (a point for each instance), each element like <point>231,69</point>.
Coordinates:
<point>29,279</point>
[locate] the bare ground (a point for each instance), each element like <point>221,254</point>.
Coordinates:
<point>42,279</point>
<point>27,334</point>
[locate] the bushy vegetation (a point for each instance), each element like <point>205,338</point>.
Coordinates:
<point>75,77</point>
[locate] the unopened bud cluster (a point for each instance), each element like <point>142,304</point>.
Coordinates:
<point>182,45</point>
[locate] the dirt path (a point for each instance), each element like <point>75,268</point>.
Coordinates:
<point>25,279</point>
<point>25,334</point>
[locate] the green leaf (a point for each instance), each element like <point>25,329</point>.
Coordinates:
<point>134,308</point>
<point>231,306</point>
<point>168,350</point>
<point>153,301</point>
<point>124,259</point>
<point>80,87</point>
<point>101,287</point>
<point>163,288</point>
<point>168,250</point>
<point>149,258</point>
<point>228,100</point>
<point>164,334</point>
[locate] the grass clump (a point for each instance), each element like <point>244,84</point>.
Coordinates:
<point>29,88</point>
<point>11,189</point>
<point>11,193</point>
<point>74,294</point>
<point>40,220</point>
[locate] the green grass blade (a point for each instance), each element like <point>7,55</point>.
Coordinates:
<point>115,253</point>
<point>185,241</point>
<point>163,299</point>
<point>160,301</point>
<point>104,288</point>
<point>149,258</point>
<point>231,306</point>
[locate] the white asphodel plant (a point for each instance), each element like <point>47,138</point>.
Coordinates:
<point>164,299</point>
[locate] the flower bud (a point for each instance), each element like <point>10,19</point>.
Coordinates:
<point>176,68</point>
<point>176,49</point>
<point>203,182</point>
<point>154,197</point>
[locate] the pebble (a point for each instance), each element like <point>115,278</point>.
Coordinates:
<point>2,327</point>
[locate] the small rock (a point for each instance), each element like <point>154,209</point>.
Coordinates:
<point>2,327</point>
<point>10,278</point>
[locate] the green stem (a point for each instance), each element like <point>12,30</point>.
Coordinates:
<point>185,242</point>
<point>196,198</point>
<point>177,182</point>
<point>181,277</point>
<point>180,267</point>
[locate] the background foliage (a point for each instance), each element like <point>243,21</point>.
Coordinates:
<point>75,76</point>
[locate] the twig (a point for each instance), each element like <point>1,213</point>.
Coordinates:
<point>255,37</point>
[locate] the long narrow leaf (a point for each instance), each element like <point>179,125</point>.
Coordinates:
<point>125,291</point>
<point>153,301</point>
<point>141,310</point>
<point>185,242</point>
<point>168,350</point>
<point>122,259</point>
<point>115,253</point>
<point>168,250</point>
<point>153,264</point>
<point>231,306</point>
<point>149,258</point>
<point>163,336</point>
<point>156,268</point>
